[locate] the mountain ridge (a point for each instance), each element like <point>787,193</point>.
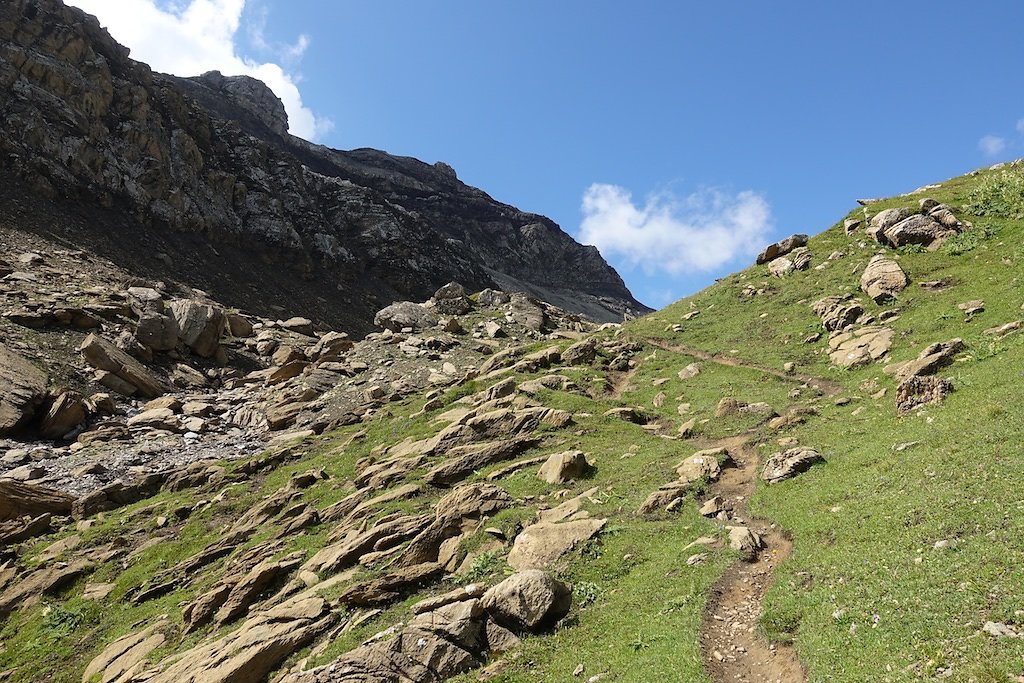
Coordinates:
<point>209,157</point>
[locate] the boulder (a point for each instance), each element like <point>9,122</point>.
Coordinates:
<point>859,347</point>
<point>298,325</point>
<point>528,312</point>
<point>452,300</point>
<point>917,390</point>
<point>157,331</point>
<point>789,463</point>
<point>837,312</point>
<point>883,220</point>
<point>65,412</point>
<point>928,361</point>
<point>22,390</point>
<point>561,467</point>
<point>238,325</point>
<point>200,325</point>
<point>883,279</point>
<point>18,500</point>
<point>780,267</point>
<point>781,248</point>
<point>492,298</point>
<point>405,314</point>
<point>918,229</point>
<point>528,601</point>
<point>133,375</point>
<point>744,540</point>
<point>538,546</point>
<point>702,465</point>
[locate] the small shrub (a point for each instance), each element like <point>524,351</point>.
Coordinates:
<point>1001,194</point>
<point>585,593</point>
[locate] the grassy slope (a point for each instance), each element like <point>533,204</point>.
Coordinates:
<point>866,595</point>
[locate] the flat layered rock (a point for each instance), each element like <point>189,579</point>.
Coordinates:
<point>789,463</point>
<point>22,390</point>
<point>883,279</point>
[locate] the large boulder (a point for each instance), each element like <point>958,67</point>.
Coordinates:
<point>119,371</point>
<point>157,331</point>
<point>18,499</point>
<point>528,312</point>
<point>859,347</point>
<point>883,279</point>
<point>452,300</point>
<point>65,412</point>
<point>883,220</point>
<point>405,314</point>
<point>528,601</point>
<point>781,248</point>
<point>561,467</point>
<point>539,545</point>
<point>22,390</point>
<point>200,325</point>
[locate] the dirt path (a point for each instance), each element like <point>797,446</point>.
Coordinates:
<point>828,387</point>
<point>733,650</point>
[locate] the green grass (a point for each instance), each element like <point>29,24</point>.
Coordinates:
<point>866,595</point>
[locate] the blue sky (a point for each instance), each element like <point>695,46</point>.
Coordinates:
<point>678,137</point>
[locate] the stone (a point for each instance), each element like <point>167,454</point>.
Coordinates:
<point>452,299</point>
<point>65,412</point>
<point>883,220</point>
<point>837,312</point>
<point>921,390</point>
<point>251,651</point>
<point>493,330</point>
<point>538,546</point>
<point>689,372</point>
<point>883,279</point>
<point>157,418</point>
<point>801,258</point>
<point>22,390</point>
<point>134,377</point>
<point>929,360</point>
<point>781,248</point>
<point>527,311</point>
<point>916,229</point>
<point>298,325</point>
<point>157,331</point>
<point>972,307</point>
<point>789,463</point>
<point>492,298</point>
<point>405,314</point>
<point>528,601</point>
<point>703,465</point>
<point>745,541</point>
<point>200,325</point>
<point>238,325</point>
<point>561,467</point>
<point>859,347</point>
<point>780,267</point>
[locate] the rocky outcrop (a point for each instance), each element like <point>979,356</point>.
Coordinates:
<point>198,179</point>
<point>781,248</point>
<point>929,226</point>
<point>787,464</point>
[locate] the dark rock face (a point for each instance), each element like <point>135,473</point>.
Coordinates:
<point>196,179</point>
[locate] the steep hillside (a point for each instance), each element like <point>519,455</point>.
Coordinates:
<point>197,180</point>
<point>807,471</point>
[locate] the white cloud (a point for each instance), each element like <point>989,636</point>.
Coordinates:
<point>992,145</point>
<point>700,232</point>
<point>199,36</point>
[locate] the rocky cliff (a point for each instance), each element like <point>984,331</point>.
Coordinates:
<point>197,180</point>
